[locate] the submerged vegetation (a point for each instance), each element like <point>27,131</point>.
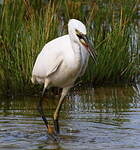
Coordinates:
<point>27,25</point>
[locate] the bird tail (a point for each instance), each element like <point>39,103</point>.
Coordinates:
<point>33,79</point>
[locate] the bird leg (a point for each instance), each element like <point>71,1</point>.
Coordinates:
<point>56,114</point>
<point>40,110</point>
<point>50,130</point>
<point>40,107</point>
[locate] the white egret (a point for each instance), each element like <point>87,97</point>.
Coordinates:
<point>61,62</point>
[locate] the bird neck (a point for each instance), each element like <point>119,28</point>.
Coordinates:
<point>77,53</point>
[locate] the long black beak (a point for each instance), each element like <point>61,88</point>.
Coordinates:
<point>84,40</point>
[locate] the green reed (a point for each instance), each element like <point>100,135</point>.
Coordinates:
<point>27,25</point>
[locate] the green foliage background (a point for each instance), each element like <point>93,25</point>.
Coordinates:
<point>26,25</point>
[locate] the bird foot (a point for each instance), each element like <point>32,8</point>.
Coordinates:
<point>52,134</point>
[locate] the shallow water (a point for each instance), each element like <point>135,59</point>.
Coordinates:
<point>101,118</point>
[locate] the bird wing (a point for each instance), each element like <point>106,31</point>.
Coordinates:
<point>52,56</point>
<point>53,67</point>
<point>47,62</point>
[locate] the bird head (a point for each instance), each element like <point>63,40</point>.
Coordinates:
<point>77,32</point>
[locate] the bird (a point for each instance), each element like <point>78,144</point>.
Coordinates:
<point>61,62</point>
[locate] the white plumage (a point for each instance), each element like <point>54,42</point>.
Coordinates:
<point>62,60</point>
<point>59,54</point>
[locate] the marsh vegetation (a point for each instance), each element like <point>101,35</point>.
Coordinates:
<point>27,25</point>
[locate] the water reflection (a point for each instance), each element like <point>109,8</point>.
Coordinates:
<point>103,118</point>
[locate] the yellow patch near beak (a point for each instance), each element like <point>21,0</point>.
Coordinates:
<point>84,42</point>
<point>82,38</point>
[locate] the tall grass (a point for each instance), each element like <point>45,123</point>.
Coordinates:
<point>27,25</point>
